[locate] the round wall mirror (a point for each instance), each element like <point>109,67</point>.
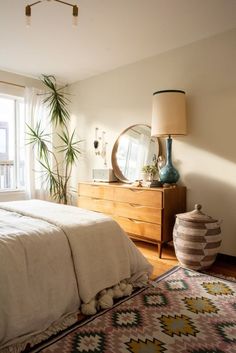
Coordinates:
<point>134,149</point>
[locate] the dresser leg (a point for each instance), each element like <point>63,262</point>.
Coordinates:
<point>159,250</point>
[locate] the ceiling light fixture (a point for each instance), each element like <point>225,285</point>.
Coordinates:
<point>75,11</point>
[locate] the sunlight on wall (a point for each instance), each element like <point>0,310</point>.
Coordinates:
<point>206,157</point>
<point>203,162</point>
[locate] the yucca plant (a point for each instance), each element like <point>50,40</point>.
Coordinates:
<point>55,174</point>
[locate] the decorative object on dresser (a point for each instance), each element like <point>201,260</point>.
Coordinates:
<point>169,118</point>
<point>133,149</point>
<point>146,214</point>
<point>104,175</point>
<point>197,239</point>
<point>150,171</point>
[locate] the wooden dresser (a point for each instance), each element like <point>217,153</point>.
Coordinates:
<point>146,214</point>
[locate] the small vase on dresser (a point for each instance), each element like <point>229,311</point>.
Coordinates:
<point>146,214</point>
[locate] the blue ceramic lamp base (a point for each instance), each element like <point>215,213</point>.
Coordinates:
<point>168,174</point>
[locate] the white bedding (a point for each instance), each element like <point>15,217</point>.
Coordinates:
<point>54,256</point>
<point>35,268</point>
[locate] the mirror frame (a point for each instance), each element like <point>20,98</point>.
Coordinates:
<point>114,163</point>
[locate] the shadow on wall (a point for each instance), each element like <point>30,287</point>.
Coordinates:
<point>212,123</point>
<point>218,200</point>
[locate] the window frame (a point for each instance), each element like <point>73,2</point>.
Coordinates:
<point>16,187</point>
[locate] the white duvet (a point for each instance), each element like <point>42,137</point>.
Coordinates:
<point>52,258</point>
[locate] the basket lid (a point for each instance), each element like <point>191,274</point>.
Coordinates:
<point>196,216</point>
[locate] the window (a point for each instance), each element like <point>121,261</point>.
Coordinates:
<point>12,146</point>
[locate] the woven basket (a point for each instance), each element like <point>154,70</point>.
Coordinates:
<point>197,239</point>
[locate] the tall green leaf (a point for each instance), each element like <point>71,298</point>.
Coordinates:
<point>56,101</point>
<point>55,175</point>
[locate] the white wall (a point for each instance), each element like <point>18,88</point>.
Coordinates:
<point>206,157</point>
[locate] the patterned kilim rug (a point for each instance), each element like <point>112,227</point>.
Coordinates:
<point>182,312</point>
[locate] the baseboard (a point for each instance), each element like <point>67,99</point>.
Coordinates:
<point>227,258</point>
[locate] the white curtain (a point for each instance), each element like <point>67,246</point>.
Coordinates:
<point>35,111</point>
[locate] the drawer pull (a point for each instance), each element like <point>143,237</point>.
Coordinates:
<point>134,221</point>
<point>135,205</point>
<point>135,190</point>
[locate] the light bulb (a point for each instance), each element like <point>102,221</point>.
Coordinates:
<point>28,15</point>
<point>28,21</point>
<point>75,15</point>
<point>75,21</point>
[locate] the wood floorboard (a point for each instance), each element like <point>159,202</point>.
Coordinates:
<point>169,260</point>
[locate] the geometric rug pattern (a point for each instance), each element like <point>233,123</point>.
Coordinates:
<point>182,312</point>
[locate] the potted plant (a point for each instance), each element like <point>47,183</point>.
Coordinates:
<point>150,170</point>
<point>56,174</point>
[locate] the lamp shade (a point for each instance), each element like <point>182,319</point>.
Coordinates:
<point>169,113</point>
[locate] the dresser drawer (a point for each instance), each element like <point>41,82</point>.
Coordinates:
<point>138,212</point>
<point>143,197</point>
<point>97,191</point>
<point>148,230</point>
<point>146,214</point>
<point>98,205</point>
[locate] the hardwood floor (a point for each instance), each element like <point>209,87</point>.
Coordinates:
<point>168,260</point>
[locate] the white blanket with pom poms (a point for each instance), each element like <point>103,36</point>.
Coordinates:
<point>102,253</point>
<point>53,251</point>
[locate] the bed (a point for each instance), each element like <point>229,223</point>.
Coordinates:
<point>56,261</point>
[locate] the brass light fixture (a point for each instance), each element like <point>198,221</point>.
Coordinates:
<point>75,11</point>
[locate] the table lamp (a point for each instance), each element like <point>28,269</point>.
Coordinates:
<point>169,118</point>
